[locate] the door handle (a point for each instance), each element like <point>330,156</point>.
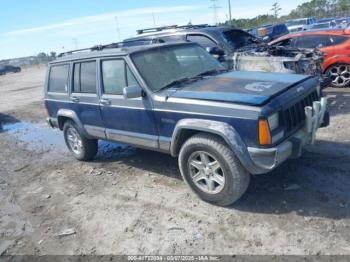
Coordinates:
<point>74,99</point>
<point>105,102</point>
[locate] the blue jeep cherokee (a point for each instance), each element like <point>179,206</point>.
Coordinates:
<point>176,98</point>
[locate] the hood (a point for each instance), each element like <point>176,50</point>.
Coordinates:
<point>251,88</point>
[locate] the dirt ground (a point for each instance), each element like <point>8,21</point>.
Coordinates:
<point>133,201</point>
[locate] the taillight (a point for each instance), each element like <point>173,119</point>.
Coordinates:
<point>264,132</point>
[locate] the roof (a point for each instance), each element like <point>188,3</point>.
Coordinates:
<point>172,30</point>
<point>122,51</point>
<point>314,32</point>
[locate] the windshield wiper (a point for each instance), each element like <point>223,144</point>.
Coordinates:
<point>174,83</point>
<point>212,72</point>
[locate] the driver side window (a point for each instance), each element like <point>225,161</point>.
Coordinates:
<point>116,75</point>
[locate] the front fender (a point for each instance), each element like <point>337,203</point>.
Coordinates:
<point>224,130</point>
<point>337,59</point>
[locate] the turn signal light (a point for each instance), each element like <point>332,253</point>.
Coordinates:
<point>264,132</point>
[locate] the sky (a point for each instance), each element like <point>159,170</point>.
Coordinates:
<point>28,27</point>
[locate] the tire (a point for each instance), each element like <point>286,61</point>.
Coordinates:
<point>340,75</point>
<point>82,148</point>
<point>234,178</point>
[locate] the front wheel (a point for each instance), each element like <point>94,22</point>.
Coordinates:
<point>82,148</point>
<point>212,170</point>
<point>340,75</point>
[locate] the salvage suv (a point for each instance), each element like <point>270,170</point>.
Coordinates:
<point>237,49</point>
<point>177,99</point>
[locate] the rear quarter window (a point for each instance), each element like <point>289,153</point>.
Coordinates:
<point>337,40</point>
<point>58,79</point>
<point>84,78</point>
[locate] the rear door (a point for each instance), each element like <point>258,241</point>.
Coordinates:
<point>85,97</point>
<point>126,120</point>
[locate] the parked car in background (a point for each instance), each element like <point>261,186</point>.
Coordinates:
<point>324,25</point>
<point>334,44</point>
<point>326,19</point>
<point>269,32</point>
<point>9,69</point>
<point>177,99</point>
<point>300,24</point>
<point>236,49</point>
<point>343,22</point>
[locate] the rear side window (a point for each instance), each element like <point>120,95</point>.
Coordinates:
<point>201,40</point>
<point>58,78</point>
<point>84,78</point>
<point>319,41</point>
<point>337,40</point>
<point>115,76</point>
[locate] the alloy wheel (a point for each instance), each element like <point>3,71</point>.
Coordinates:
<point>74,140</point>
<point>340,75</point>
<point>206,172</point>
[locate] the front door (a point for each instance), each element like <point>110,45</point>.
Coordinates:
<point>126,120</point>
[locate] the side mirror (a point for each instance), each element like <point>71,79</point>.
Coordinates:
<point>130,92</point>
<point>215,51</point>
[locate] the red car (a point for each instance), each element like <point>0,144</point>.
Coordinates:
<point>335,44</point>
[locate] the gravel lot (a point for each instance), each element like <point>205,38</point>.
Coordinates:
<point>133,201</point>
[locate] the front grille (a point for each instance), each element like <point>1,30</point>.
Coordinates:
<point>294,116</point>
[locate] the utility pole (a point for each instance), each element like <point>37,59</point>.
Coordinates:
<point>215,8</point>
<point>117,27</point>
<point>229,11</point>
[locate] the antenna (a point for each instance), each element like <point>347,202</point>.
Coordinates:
<point>154,19</point>
<point>75,41</point>
<point>215,8</point>
<point>117,26</point>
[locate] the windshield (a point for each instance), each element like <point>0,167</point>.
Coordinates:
<point>237,38</point>
<point>297,22</point>
<point>166,65</point>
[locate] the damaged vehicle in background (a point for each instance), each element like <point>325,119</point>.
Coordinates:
<point>334,44</point>
<point>237,49</point>
<point>268,33</point>
<point>300,24</point>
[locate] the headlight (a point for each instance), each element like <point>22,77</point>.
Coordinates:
<point>273,121</point>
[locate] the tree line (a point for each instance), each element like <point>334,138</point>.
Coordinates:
<point>314,8</point>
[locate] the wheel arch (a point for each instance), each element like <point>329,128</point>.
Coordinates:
<point>186,128</point>
<point>65,114</point>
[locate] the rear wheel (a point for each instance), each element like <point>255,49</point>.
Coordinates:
<point>340,75</point>
<point>212,170</point>
<point>82,148</point>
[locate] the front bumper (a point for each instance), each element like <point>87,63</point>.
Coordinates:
<point>265,160</point>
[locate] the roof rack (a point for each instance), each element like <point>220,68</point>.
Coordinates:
<point>112,45</point>
<point>158,29</point>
